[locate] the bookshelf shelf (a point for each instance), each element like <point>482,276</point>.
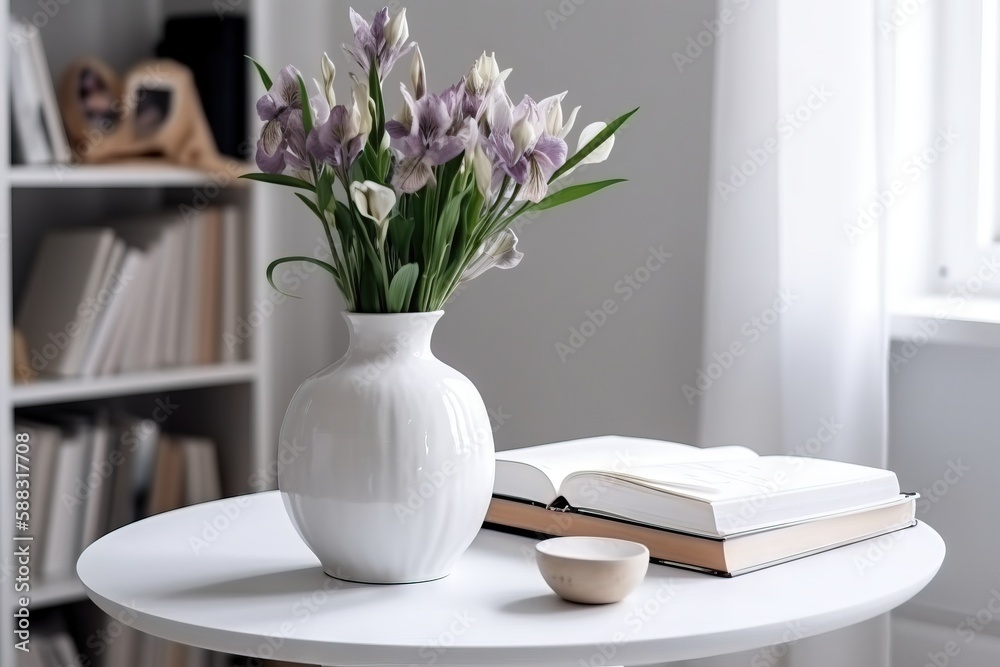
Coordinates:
<point>239,404</point>
<point>138,175</point>
<point>51,392</point>
<point>62,591</point>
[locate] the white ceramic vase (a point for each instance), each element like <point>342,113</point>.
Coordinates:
<point>387,456</point>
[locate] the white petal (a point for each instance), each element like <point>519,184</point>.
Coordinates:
<point>328,69</point>
<point>361,108</point>
<point>568,127</point>
<point>418,75</point>
<point>320,104</point>
<point>483,170</point>
<point>380,200</point>
<point>536,187</point>
<point>524,135</point>
<point>397,31</point>
<point>602,152</point>
<point>360,196</point>
<point>500,251</point>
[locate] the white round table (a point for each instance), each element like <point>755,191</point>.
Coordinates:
<point>234,576</point>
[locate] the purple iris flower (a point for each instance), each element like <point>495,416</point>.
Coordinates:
<point>435,133</point>
<point>382,42</point>
<point>337,142</point>
<point>275,107</point>
<point>523,149</point>
<point>282,143</point>
<point>291,154</point>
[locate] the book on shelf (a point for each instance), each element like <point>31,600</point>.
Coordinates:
<point>92,474</point>
<point>134,296</point>
<point>66,276</point>
<point>39,135</point>
<point>720,510</point>
<point>53,645</point>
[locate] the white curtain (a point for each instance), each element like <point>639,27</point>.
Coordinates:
<point>795,356</point>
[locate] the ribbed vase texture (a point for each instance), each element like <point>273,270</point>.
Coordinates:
<point>386,459</point>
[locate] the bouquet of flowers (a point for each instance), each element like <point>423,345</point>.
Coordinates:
<point>413,206</point>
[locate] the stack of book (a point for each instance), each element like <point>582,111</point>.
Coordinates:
<point>39,136</point>
<point>722,510</point>
<point>91,474</point>
<point>135,296</point>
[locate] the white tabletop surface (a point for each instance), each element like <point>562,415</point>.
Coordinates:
<point>234,576</point>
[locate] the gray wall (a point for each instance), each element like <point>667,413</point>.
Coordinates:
<point>945,443</point>
<point>503,329</point>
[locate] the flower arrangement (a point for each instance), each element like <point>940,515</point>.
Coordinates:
<point>413,206</point>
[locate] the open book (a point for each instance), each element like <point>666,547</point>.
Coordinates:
<point>714,492</point>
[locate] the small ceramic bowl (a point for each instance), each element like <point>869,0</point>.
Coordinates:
<point>592,570</point>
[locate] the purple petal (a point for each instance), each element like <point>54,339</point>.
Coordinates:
<point>431,118</point>
<point>270,164</point>
<point>285,89</point>
<point>297,157</point>
<point>378,25</point>
<point>352,150</point>
<point>445,150</point>
<point>550,154</point>
<point>316,147</point>
<point>358,23</point>
<point>267,109</point>
<point>518,171</point>
<point>272,136</point>
<point>324,142</point>
<point>396,130</point>
<point>412,174</point>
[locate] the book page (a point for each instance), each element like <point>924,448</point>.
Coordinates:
<point>610,454</point>
<point>734,479</point>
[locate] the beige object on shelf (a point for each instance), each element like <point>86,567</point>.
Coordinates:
<point>154,112</point>
<point>20,366</point>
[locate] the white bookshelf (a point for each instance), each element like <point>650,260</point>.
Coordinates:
<point>233,403</point>
<point>133,175</point>
<point>52,392</point>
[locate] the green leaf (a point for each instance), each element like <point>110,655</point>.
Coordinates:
<point>417,238</point>
<point>308,260</point>
<point>592,145</point>
<point>401,288</point>
<point>378,121</point>
<point>572,193</point>
<point>324,188</point>
<point>345,221</point>
<point>444,230</point>
<point>312,206</point>
<point>370,302</point>
<point>307,113</point>
<point>400,234</point>
<point>281,179</point>
<point>430,215</point>
<point>264,78</point>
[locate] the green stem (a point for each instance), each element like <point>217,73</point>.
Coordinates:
<point>496,204</point>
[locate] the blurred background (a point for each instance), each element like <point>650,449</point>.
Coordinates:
<point>833,162</point>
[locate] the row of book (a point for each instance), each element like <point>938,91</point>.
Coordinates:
<point>53,645</point>
<point>93,473</point>
<point>39,135</point>
<point>134,296</point>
